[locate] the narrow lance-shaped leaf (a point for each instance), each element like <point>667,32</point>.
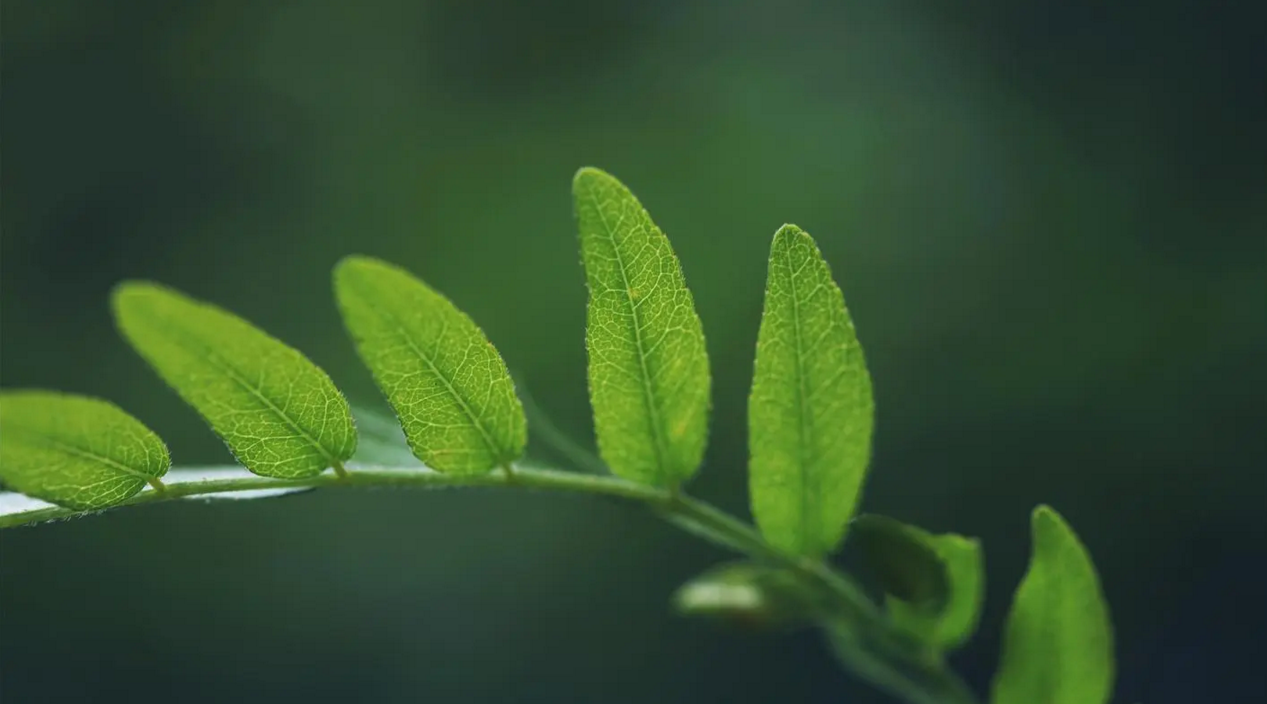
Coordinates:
<point>280,415</point>
<point>648,366</point>
<point>79,452</point>
<point>810,410</point>
<point>933,584</point>
<point>446,382</point>
<point>1058,642</point>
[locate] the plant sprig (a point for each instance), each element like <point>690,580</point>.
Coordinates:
<point>810,418</point>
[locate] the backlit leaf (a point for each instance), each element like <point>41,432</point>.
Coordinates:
<point>446,382</point>
<point>280,415</point>
<point>79,452</point>
<point>810,410</point>
<point>648,366</point>
<point>1058,642</point>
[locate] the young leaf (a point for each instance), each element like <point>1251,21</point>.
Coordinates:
<point>934,584</point>
<point>648,367</point>
<point>280,415</point>
<point>810,410</point>
<point>78,452</point>
<point>443,378</point>
<point>957,620</point>
<point>903,561</point>
<point>1058,643</point>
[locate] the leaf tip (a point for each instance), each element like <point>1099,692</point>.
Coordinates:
<point>354,264</point>
<point>790,236</point>
<point>589,175</point>
<point>1045,517</point>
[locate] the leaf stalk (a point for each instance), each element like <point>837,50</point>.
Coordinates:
<point>876,650</point>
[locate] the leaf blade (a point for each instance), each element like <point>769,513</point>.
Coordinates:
<point>75,451</point>
<point>445,381</point>
<point>1058,641</point>
<point>280,415</point>
<point>810,411</point>
<point>648,366</point>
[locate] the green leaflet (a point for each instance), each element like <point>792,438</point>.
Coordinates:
<point>934,585</point>
<point>1058,642</point>
<point>445,380</point>
<point>280,415</point>
<point>648,367</point>
<point>810,410</point>
<point>79,452</point>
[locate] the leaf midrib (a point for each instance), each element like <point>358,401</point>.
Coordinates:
<point>647,393</point>
<point>36,438</point>
<point>803,431</point>
<point>399,327</point>
<point>192,343</point>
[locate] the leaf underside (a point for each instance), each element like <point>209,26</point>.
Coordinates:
<point>446,382</point>
<point>1058,642</point>
<point>74,451</point>
<point>280,414</point>
<point>810,409</point>
<point>648,367</point>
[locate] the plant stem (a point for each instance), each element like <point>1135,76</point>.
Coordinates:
<point>871,645</point>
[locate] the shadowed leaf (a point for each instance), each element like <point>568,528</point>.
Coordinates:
<point>933,584</point>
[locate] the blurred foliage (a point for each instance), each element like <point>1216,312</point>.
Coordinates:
<point>1047,218</point>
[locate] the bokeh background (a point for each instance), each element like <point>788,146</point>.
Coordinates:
<point>1049,220</point>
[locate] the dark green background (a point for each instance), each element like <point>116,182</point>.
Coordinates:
<point>1049,220</point>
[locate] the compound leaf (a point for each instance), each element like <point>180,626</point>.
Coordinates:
<point>280,415</point>
<point>446,382</point>
<point>648,367</point>
<point>810,410</point>
<point>1058,642</point>
<point>74,451</point>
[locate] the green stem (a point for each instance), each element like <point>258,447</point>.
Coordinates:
<point>873,648</point>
